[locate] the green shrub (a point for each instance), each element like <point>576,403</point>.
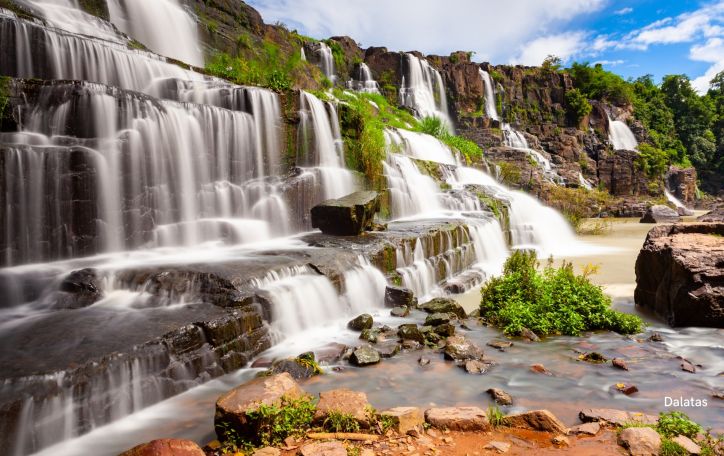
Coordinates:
<point>554,301</point>
<point>670,448</point>
<point>510,173</point>
<point>340,422</point>
<point>276,423</point>
<point>577,106</point>
<point>672,424</point>
<point>495,416</point>
<point>436,127</point>
<point>652,161</point>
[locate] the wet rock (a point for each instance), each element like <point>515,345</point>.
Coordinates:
<point>684,211</point>
<point>370,335</point>
<point>536,420</point>
<point>500,447</point>
<point>446,330</point>
<point>642,441</point>
<point>615,417</point>
<point>333,448</point>
<point>687,444</point>
<point>437,319</point>
<point>410,332</point>
<point>79,289</point>
<point>714,216</point>
<point>529,335</point>
<point>540,369</point>
<point>423,361</point>
<point>626,388</point>
<point>400,312</point>
<point>411,345</point>
<point>679,274</point>
<point>586,429</point>
<point>457,348</point>
<point>619,363</point>
<point>686,366</point>
<point>500,344</point>
<point>500,397</point>
<point>560,440</point>
<point>389,350</point>
<point>399,297</point>
<point>347,216</point>
<point>232,407</point>
<point>301,367</point>
<point>660,214</point>
<point>656,337</point>
<point>267,451</point>
<point>464,419</point>
<point>405,419</point>
<point>364,356</point>
<point>475,366</point>
<point>443,305</point>
<point>593,357</point>
<point>343,401</point>
<point>166,447</point>
<point>361,322</point>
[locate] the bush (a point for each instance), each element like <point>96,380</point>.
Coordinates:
<point>577,106</point>
<point>434,126</point>
<point>276,423</point>
<point>554,301</point>
<point>672,424</point>
<point>340,422</point>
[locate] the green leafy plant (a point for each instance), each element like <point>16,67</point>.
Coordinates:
<point>495,416</point>
<point>378,422</point>
<point>554,301</point>
<point>340,422</point>
<point>577,106</point>
<point>308,360</point>
<point>434,126</point>
<point>674,423</point>
<point>275,423</point>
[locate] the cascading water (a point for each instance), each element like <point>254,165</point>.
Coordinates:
<point>326,61</point>
<point>363,80</point>
<point>491,108</point>
<point>675,201</point>
<point>68,15</point>
<point>175,36</point>
<point>423,90</point>
<point>621,135</point>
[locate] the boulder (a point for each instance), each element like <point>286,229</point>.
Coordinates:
<point>364,356</point>
<point>370,335</point>
<point>640,441</point>
<point>343,401</point>
<point>500,397</point>
<point>527,334</point>
<point>438,319</point>
<point>405,419</point>
<point>660,214</point>
<point>714,216</point>
<point>80,289</point>
<point>615,417</point>
<point>443,305</point>
<point>586,429</point>
<point>333,448</point>
<point>445,330</point>
<point>457,348</point>
<point>474,366</point>
<point>347,216</point>
<point>301,367</point>
<point>687,444</point>
<point>399,297</point>
<point>536,420</point>
<point>232,407</point>
<point>619,363</point>
<point>166,447</point>
<point>361,322</point>
<point>464,419</point>
<point>389,349</point>
<point>680,274</point>
<point>400,311</point>
<point>410,332</point>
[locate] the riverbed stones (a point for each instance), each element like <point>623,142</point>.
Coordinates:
<point>585,429</point>
<point>364,356</point>
<point>444,330</point>
<point>536,420</point>
<point>343,401</point>
<point>458,348</point>
<point>405,419</point>
<point>440,318</point>
<point>350,215</point>
<point>619,363</point>
<point>361,322</point>
<point>399,297</point>
<point>333,448</point>
<point>615,417</point>
<point>232,407</point>
<point>302,367</point>
<point>679,274</point>
<point>443,305</point>
<point>529,335</point>
<point>500,397</point>
<point>687,444</point>
<point>465,419</point>
<point>640,441</point>
<point>410,332</point>
<point>166,447</point>
<point>400,311</point>
<point>370,335</point>
<point>474,366</point>
<point>660,214</point>
<point>714,216</point>
<point>501,345</point>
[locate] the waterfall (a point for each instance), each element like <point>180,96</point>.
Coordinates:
<point>621,135</point>
<point>67,15</point>
<point>321,146</point>
<point>490,103</point>
<point>302,54</point>
<point>174,36</point>
<point>674,200</point>
<point>411,192</point>
<point>326,61</point>
<point>516,140</point>
<point>423,90</point>
<point>583,182</point>
<point>363,80</point>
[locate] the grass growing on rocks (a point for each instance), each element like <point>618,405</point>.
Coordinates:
<point>551,301</point>
<point>434,126</point>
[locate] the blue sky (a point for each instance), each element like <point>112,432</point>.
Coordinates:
<point>630,37</point>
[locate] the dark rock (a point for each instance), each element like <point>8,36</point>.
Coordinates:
<point>593,357</point>
<point>443,305</point>
<point>500,344</point>
<point>347,216</point>
<point>458,348</point>
<point>656,337</point>
<point>618,362</point>
<point>389,349</point>
<point>361,322</point>
<point>445,330</point>
<point>399,297</point>
<point>438,319</point>
<point>682,182</point>
<point>364,356</point>
<point>410,332</point>
<point>527,334</point>
<point>166,447</point>
<point>680,274</point>
<point>423,361</point>
<point>302,367</point>
<point>411,345</point>
<point>400,311</point>
<point>370,335</point>
<point>686,366</point>
<point>625,388</point>
<point>684,212</point>
<point>660,214</point>
<point>714,216</point>
<point>500,397</point>
<point>80,289</point>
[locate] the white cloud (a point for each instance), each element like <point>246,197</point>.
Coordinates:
<point>494,30</point>
<point>713,52</point>
<point>563,45</point>
<point>609,62</point>
<point>706,21</point>
<point>623,11</point>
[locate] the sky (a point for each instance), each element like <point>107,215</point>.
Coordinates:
<point>629,37</point>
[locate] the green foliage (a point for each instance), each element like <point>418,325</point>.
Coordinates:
<point>4,96</point>
<point>276,423</point>
<point>379,423</point>
<point>554,301</point>
<point>495,416</point>
<point>551,64</point>
<point>598,84</point>
<point>672,424</point>
<point>340,422</point>
<point>510,173</point>
<point>577,106</point>
<point>671,448</point>
<point>307,360</point>
<point>435,126</point>
<point>652,161</point>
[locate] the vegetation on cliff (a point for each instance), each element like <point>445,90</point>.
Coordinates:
<point>551,301</point>
<point>436,127</point>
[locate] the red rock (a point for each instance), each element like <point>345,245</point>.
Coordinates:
<point>618,362</point>
<point>343,401</point>
<point>458,418</point>
<point>405,419</point>
<point>166,447</point>
<point>540,369</point>
<point>617,417</point>
<point>537,420</point>
<point>642,441</point>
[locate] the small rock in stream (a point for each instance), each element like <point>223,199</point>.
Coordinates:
<point>423,361</point>
<point>500,344</point>
<point>540,369</point>
<point>361,322</point>
<point>364,356</point>
<point>527,334</point>
<point>656,337</point>
<point>618,362</point>
<point>500,397</point>
<point>400,311</point>
<point>686,366</point>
